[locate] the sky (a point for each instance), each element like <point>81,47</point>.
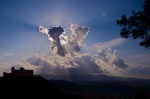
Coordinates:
<point>100,50</point>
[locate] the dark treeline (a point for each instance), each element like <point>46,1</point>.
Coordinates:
<point>29,88</point>
<point>106,90</point>
<point>38,87</point>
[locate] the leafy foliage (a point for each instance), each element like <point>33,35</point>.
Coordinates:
<point>137,25</point>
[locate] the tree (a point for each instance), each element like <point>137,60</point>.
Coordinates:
<point>137,25</point>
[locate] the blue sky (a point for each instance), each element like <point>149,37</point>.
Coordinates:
<point>20,19</point>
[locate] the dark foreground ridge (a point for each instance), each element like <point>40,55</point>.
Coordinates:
<point>105,90</point>
<point>21,84</point>
<point>37,87</point>
<point>29,88</point>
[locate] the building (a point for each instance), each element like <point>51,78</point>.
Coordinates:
<point>19,73</point>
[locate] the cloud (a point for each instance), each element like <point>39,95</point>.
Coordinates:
<point>120,63</point>
<point>110,44</point>
<point>63,45</point>
<point>78,34</point>
<point>139,66</point>
<point>104,62</point>
<point>56,36</point>
<point>66,56</point>
<point>86,64</point>
<point>67,59</point>
<point>109,60</point>
<point>140,58</point>
<point>138,72</point>
<point>38,60</point>
<point>82,64</point>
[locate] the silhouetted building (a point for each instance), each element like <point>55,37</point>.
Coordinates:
<point>19,73</point>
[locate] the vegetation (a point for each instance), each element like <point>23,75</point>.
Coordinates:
<point>137,25</point>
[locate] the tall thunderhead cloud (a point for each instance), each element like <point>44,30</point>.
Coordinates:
<point>56,33</point>
<point>60,43</point>
<point>56,36</point>
<point>77,37</point>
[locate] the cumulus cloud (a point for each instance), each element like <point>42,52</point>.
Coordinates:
<point>63,45</point>
<point>78,35</point>
<point>110,44</point>
<point>58,65</point>
<point>110,58</point>
<point>67,59</point>
<point>56,36</point>
<point>105,62</point>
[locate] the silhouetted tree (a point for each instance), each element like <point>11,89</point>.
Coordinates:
<point>137,25</point>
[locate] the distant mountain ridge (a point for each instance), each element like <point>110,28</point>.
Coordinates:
<point>90,77</point>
